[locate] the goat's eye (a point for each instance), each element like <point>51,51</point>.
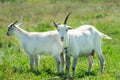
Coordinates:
<point>66,29</point>
<point>10,28</point>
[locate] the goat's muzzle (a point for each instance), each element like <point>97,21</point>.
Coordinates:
<point>7,34</point>
<point>62,38</point>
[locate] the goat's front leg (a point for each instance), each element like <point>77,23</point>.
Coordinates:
<point>67,58</point>
<point>90,62</point>
<point>31,62</point>
<point>57,59</point>
<point>67,65</point>
<point>62,61</point>
<point>75,58</point>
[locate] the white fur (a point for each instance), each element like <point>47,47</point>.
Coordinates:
<point>82,41</point>
<point>39,43</point>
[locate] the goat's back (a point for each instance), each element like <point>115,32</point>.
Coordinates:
<point>42,42</point>
<point>83,40</point>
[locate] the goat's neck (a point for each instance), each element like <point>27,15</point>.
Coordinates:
<point>21,34</point>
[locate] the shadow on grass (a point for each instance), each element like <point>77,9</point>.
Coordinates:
<point>21,70</point>
<point>36,72</point>
<point>84,74</point>
<point>39,72</point>
<point>81,74</point>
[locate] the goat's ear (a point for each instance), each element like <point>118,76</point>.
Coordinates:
<point>55,24</point>
<point>69,27</point>
<point>19,25</point>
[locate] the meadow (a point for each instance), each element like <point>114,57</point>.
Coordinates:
<point>37,15</point>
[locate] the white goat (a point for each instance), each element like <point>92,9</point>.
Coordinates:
<point>82,41</point>
<point>36,43</point>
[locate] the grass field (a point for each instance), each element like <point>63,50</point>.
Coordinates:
<point>37,15</point>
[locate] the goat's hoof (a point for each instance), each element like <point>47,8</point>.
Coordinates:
<point>32,70</point>
<point>73,77</point>
<point>60,74</point>
<point>101,72</point>
<point>87,73</point>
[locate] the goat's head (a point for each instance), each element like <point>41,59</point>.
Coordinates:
<point>12,27</point>
<point>63,28</point>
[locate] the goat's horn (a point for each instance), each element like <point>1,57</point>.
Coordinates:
<point>14,22</point>
<point>55,24</point>
<point>67,18</point>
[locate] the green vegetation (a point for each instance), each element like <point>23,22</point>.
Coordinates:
<point>37,15</point>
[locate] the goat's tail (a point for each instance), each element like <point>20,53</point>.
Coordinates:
<point>105,36</point>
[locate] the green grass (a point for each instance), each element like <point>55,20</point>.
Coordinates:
<point>37,15</point>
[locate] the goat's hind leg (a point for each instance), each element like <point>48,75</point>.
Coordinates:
<point>100,57</point>
<point>36,57</point>
<point>31,62</point>
<point>90,62</point>
<point>102,62</point>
